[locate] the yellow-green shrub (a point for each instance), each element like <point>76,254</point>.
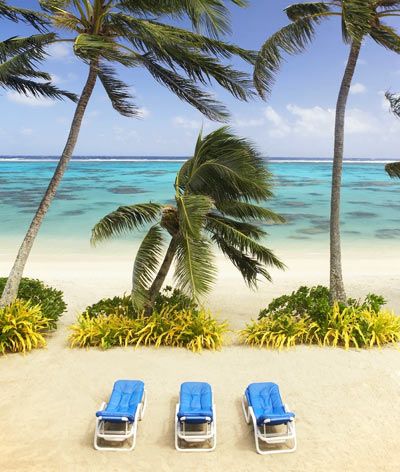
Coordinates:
<point>193,329</point>
<point>22,327</point>
<point>347,327</point>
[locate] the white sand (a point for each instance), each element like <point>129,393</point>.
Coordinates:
<point>347,403</point>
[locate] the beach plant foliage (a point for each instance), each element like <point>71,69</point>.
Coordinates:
<point>192,329</point>
<point>49,299</point>
<point>360,20</point>
<point>23,327</point>
<point>219,202</point>
<point>110,35</point>
<point>393,168</point>
<point>306,317</point>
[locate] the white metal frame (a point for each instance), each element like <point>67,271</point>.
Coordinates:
<point>126,433</point>
<point>209,433</point>
<point>287,437</point>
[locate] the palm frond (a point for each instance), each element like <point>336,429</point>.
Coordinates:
<point>117,91</point>
<point>147,260</point>
<point>226,167</point>
<point>357,18</point>
<point>248,211</point>
<point>185,89</point>
<point>301,10</point>
<point>35,19</point>
<point>394,101</point>
<point>124,220</point>
<point>92,47</point>
<point>192,210</point>
<point>194,266</point>
<point>386,36</point>
<point>291,39</point>
<point>393,170</point>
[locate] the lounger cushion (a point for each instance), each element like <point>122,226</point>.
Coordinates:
<point>124,400</point>
<point>266,402</point>
<point>195,401</point>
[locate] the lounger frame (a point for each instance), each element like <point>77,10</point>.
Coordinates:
<point>262,435</point>
<point>126,433</point>
<point>209,434</point>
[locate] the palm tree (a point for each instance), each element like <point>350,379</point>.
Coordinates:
<point>360,19</point>
<point>218,193</point>
<point>127,32</point>
<point>393,168</point>
<point>19,57</point>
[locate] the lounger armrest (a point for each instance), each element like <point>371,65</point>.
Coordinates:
<point>195,418</point>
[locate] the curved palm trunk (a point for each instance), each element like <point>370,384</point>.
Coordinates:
<point>159,279</point>
<point>14,279</point>
<point>336,277</point>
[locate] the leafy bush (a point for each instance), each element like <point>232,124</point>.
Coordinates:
<point>314,302</point>
<point>123,305</point>
<point>22,327</point>
<point>356,326</point>
<point>193,329</point>
<point>50,299</point>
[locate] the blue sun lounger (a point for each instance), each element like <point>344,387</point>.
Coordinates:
<point>195,419</point>
<point>117,420</point>
<point>262,404</point>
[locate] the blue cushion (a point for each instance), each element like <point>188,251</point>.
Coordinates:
<point>195,401</point>
<point>266,402</point>
<point>124,400</point>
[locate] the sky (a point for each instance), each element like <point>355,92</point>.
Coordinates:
<point>296,121</point>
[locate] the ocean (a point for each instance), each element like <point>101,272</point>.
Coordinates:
<point>94,186</point>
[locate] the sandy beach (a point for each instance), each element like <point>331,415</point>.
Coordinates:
<point>345,401</point>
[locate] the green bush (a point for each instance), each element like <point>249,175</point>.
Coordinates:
<point>314,302</point>
<point>50,299</point>
<point>173,297</point>
<point>22,327</point>
<point>361,324</point>
<point>194,330</point>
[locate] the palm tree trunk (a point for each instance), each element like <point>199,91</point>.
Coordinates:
<point>11,288</point>
<point>159,280</point>
<point>336,277</point>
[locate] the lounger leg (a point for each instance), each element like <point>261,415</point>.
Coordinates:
<point>245,408</point>
<point>213,439</point>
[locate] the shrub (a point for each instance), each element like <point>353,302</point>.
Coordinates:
<point>174,297</point>
<point>356,326</point>
<point>193,329</point>
<point>50,299</point>
<point>22,327</point>
<point>121,306</point>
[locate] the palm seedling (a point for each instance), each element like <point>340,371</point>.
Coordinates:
<point>218,196</point>
<point>360,19</point>
<point>105,33</point>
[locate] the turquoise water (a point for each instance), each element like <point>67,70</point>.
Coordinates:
<point>90,189</point>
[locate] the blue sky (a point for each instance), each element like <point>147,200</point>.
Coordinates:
<point>296,121</point>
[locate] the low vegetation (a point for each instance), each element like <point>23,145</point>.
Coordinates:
<point>305,317</point>
<point>49,299</point>
<point>194,329</point>
<point>23,327</point>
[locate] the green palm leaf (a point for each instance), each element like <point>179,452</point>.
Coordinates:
<point>248,211</point>
<point>124,220</point>
<point>146,263</point>
<point>393,169</point>
<point>192,211</point>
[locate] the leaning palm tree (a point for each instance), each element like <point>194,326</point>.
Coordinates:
<point>393,168</point>
<point>19,57</point>
<point>127,32</point>
<point>218,196</point>
<point>360,19</point>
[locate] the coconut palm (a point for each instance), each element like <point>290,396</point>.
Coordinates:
<point>128,32</point>
<point>218,196</point>
<point>393,168</point>
<point>360,19</point>
<point>19,57</point>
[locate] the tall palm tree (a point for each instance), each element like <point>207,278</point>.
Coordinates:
<point>218,193</point>
<point>393,168</point>
<point>19,57</point>
<point>128,32</point>
<point>360,19</point>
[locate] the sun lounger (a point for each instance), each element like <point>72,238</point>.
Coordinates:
<point>195,420</point>
<point>273,423</point>
<point>116,421</point>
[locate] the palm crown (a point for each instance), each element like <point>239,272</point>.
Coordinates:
<point>393,168</point>
<point>129,32</point>
<point>359,19</point>
<point>218,194</point>
<point>19,57</point>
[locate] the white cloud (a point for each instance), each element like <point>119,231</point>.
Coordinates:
<point>358,88</point>
<point>280,126</point>
<point>29,100</point>
<point>185,123</point>
<point>26,131</point>
<point>143,112</point>
<point>58,51</point>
